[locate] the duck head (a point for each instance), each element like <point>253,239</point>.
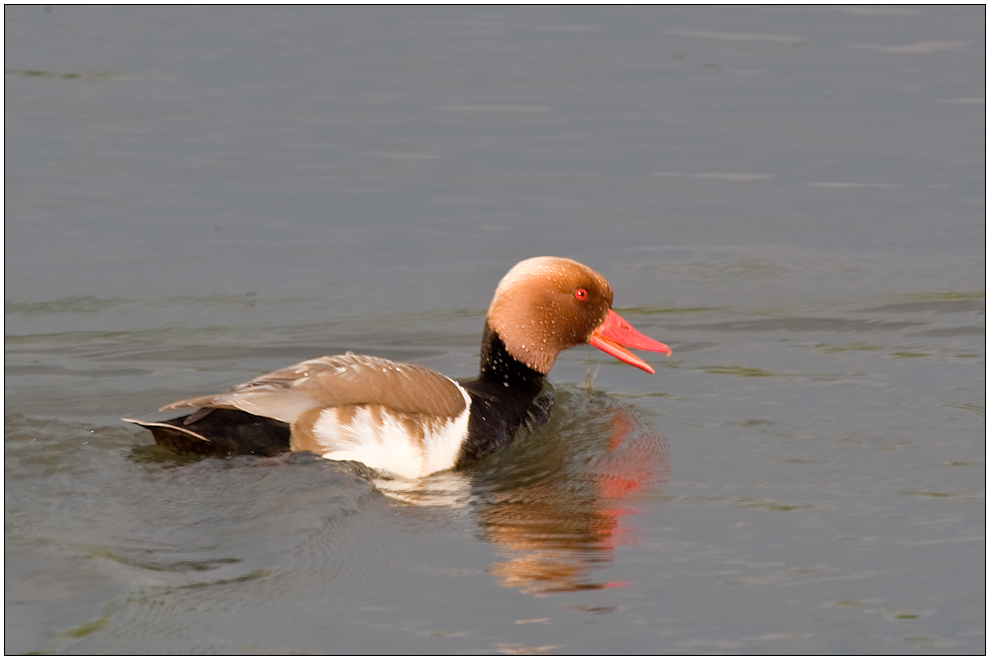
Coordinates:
<point>546,305</point>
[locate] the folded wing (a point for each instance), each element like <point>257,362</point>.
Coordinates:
<point>339,380</point>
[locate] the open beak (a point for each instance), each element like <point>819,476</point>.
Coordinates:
<point>614,335</point>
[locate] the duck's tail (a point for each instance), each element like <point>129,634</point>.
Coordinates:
<point>220,432</point>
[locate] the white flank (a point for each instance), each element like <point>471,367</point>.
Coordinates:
<point>387,446</point>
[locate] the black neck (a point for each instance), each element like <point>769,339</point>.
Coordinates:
<point>502,398</point>
<point>498,367</point>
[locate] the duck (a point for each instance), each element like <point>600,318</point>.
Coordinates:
<point>408,421</point>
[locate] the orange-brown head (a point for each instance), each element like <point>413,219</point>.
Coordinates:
<point>546,305</point>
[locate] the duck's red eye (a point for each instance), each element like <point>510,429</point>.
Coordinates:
<point>581,294</point>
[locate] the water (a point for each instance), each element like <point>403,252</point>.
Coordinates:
<point>792,198</point>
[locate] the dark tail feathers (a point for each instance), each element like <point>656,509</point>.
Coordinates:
<point>220,432</point>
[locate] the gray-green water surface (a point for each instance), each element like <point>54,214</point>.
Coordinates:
<point>791,198</point>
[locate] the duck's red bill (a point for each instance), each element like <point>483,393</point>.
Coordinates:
<point>615,335</point>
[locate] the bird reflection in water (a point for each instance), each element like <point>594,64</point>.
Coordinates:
<point>559,502</point>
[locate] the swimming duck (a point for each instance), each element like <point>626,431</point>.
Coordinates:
<point>406,420</point>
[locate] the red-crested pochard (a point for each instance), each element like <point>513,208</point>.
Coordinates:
<point>406,420</point>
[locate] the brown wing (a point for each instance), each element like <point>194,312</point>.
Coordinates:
<point>339,380</point>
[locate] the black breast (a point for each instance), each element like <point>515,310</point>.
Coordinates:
<point>505,395</point>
